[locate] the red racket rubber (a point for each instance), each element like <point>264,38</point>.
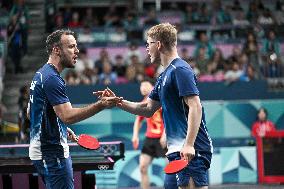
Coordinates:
<point>175,166</point>
<point>88,142</point>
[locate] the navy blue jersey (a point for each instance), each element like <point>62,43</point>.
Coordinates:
<point>177,81</point>
<point>48,133</point>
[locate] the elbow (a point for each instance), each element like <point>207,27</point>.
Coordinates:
<point>149,114</point>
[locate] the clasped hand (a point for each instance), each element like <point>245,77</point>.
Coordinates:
<point>108,98</point>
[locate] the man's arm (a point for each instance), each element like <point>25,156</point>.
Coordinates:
<point>194,120</point>
<point>135,137</point>
<point>70,115</point>
<point>145,108</point>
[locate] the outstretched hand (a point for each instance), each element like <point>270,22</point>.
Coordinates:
<point>108,95</point>
<point>109,102</point>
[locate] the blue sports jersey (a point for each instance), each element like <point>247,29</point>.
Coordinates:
<point>48,133</point>
<point>177,81</point>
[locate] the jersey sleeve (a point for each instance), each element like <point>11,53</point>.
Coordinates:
<point>55,90</point>
<point>154,95</point>
<point>185,82</point>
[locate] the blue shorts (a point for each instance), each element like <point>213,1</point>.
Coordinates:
<point>56,173</point>
<point>197,169</point>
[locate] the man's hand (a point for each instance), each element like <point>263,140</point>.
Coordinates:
<point>135,142</point>
<point>187,152</point>
<point>71,135</point>
<point>108,98</point>
<point>163,140</point>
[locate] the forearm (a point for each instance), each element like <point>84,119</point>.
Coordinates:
<point>136,127</point>
<point>194,120</point>
<point>79,114</point>
<point>137,108</point>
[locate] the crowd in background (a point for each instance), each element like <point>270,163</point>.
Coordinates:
<point>257,56</point>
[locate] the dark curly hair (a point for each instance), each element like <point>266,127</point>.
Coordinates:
<point>54,38</point>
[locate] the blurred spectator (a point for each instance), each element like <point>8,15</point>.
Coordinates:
<point>240,19</point>
<point>202,60</point>
<point>67,14</point>
<point>50,13</point>
<point>185,54</point>
<point>204,42</point>
<point>237,6</point>
<point>72,78</point>
<point>271,44</point>
<point>252,13</point>
<point>151,18</point>
<point>107,77</point>
<point>221,15</point>
<point>59,21</point>
<point>112,17</point>
<point>89,20</point>
<point>21,17</point>
<point>266,18</point>
<point>104,57</point>
<point>250,48</point>
<point>119,68</point>
<point>133,50</point>
<point>75,21</point>
<point>23,120</point>
<point>15,43</point>
<point>203,15</point>
<point>88,77</point>
<point>249,74</point>
<point>262,125</point>
<point>234,73</point>
<point>83,61</point>
<point>189,15</point>
<point>130,23</point>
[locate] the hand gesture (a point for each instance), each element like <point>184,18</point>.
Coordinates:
<point>109,102</point>
<point>108,94</point>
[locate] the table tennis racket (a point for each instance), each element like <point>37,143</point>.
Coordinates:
<point>175,166</point>
<point>88,142</point>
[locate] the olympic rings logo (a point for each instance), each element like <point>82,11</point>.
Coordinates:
<point>108,149</point>
<point>103,167</point>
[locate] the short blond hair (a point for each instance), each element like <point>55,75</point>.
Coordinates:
<point>165,33</point>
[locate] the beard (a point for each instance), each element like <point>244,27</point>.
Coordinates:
<point>156,59</point>
<point>65,62</point>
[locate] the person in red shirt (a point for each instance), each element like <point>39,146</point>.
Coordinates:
<point>262,125</point>
<point>155,143</point>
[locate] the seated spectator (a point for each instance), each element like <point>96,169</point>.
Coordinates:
<point>189,15</point>
<point>234,73</point>
<point>119,67</point>
<point>107,77</point>
<point>266,18</point>
<point>50,13</point>
<point>203,15</point>
<point>151,19</point>
<point>249,74</point>
<point>72,78</point>
<point>89,20</point>
<point>104,57</point>
<point>252,13</point>
<point>83,61</point>
<point>273,67</point>
<point>204,42</point>
<point>133,51</point>
<point>240,19</point>
<point>271,44</point>
<point>202,61</point>
<point>236,6</point>
<point>130,23</point>
<point>262,125</point>
<point>88,77</point>
<point>75,21</point>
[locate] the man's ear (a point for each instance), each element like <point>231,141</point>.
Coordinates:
<point>56,50</point>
